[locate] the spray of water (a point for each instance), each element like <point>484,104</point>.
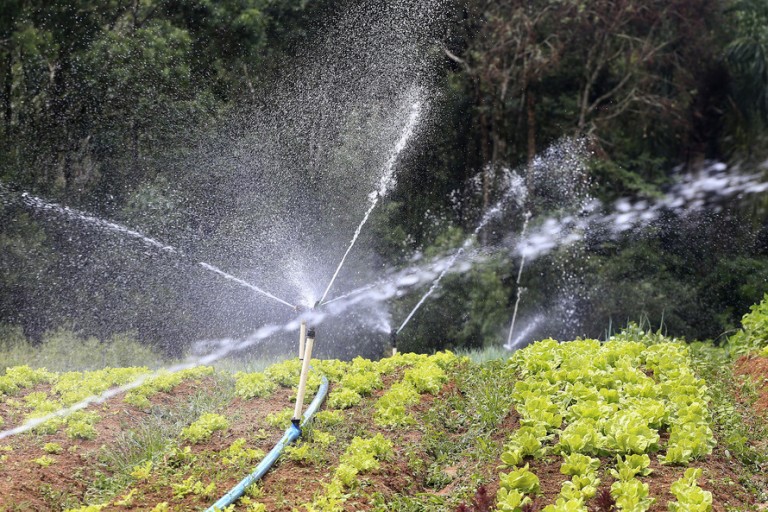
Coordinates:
<point>514,343</point>
<point>396,285</point>
<point>493,213</point>
<point>695,193</point>
<point>698,193</point>
<point>385,183</point>
<point>517,283</point>
<point>41,205</point>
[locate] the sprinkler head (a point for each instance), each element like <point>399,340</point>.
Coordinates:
<point>317,305</point>
<point>311,333</point>
<point>393,338</point>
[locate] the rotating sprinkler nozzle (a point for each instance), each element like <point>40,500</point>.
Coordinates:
<point>317,305</point>
<point>296,420</point>
<point>393,340</point>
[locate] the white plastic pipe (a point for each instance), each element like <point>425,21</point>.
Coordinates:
<point>303,378</point>
<point>302,338</point>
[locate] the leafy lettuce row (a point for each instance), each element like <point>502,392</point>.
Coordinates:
<point>66,389</point>
<point>753,335</point>
<point>607,399</point>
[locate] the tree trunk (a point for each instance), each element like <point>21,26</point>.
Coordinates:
<point>530,108</point>
<point>7,92</point>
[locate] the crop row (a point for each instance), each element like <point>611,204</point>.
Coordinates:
<point>195,471</point>
<point>609,400</point>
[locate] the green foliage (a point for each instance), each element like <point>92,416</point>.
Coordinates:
<point>690,497</point>
<point>81,428</point>
<point>631,495</point>
<point>362,383</point>
<point>250,385</point>
<point>285,373</point>
<point>390,408</point>
<point>306,453</point>
<point>631,466</point>
<point>238,454</point>
<point>63,350</point>
<point>343,398</point>
<point>165,382</point>
<point>193,486</point>
<point>426,378</point>
<point>142,471</point>
<point>44,461</point>
<point>511,500</point>
<point>566,505</point>
<point>279,419</point>
<point>52,448</point>
<point>579,464</point>
<point>525,442</point>
<point>19,377</point>
<point>628,432</point>
<point>521,479</point>
<point>362,455</point>
<point>754,332</point>
<point>202,429</point>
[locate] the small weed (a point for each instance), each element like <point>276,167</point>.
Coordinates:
<point>53,448</point>
<point>44,461</point>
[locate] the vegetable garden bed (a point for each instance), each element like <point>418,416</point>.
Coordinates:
<point>574,426</point>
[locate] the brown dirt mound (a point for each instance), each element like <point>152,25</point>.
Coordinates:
<point>756,368</point>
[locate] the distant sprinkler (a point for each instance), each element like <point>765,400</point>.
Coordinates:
<point>317,305</point>
<point>393,340</point>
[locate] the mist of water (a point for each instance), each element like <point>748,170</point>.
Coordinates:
<point>493,213</point>
<point>528,328</point>
<point>384,185</point>
<point>215,350</point>
<point>694,193</point>
<point>91,220</point>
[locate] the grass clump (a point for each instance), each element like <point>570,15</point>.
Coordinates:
<point>63,350</point>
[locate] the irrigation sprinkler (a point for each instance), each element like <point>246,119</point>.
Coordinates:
<point>296,420</point>
<point>393,341</point>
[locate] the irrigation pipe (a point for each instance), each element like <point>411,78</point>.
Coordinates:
<point>291,434</point>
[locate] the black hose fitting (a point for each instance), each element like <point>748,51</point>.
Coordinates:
<point>393,338</point>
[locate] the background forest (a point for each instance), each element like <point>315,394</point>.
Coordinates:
<point>100,101</point>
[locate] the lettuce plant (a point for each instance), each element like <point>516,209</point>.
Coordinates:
<point>630,466</point>
<point>253,385</point>
<point>631,495</point>
<point>579,464</point>
<point>690,497</point>
<point>202,429</point>
<point>521,479</point>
